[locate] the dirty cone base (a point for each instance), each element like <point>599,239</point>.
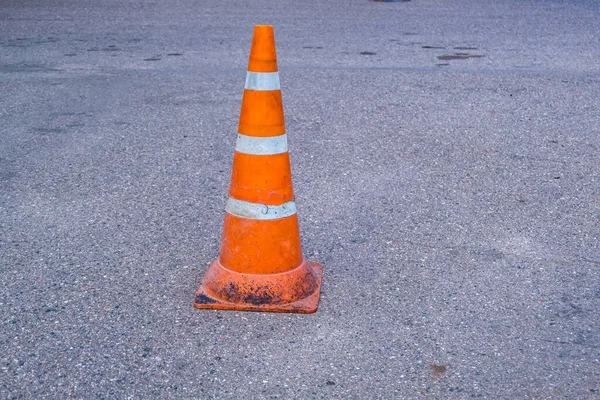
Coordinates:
<point>306,305</point>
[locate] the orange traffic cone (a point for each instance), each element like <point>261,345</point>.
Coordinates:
<point>261,266</point>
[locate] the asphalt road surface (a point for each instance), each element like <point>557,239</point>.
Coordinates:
<point>446,169</point>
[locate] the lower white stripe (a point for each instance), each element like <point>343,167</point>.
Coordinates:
<point>262,80</point>
<point>245,209</point>
<point>261,146</point>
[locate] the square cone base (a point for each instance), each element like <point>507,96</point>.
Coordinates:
<point>307,305</point>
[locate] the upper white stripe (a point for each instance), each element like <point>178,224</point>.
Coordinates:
<point>262,80</point>
<point>245,209</point>
<point>261,146</point>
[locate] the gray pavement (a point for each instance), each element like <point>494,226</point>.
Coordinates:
<point>446,168</point>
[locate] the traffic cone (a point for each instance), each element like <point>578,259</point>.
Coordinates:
<point>261,266</point>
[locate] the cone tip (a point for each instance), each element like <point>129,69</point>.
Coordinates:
<point>264,33</point>
<point>263,56</point>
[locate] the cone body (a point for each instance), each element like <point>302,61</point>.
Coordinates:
<point>261,266</point>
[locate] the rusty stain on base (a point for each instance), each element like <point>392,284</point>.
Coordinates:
<point>259,299</point>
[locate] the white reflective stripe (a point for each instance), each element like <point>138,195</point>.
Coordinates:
<point>261,146</point>
<point>245,209</point>
<point>262,80</point>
